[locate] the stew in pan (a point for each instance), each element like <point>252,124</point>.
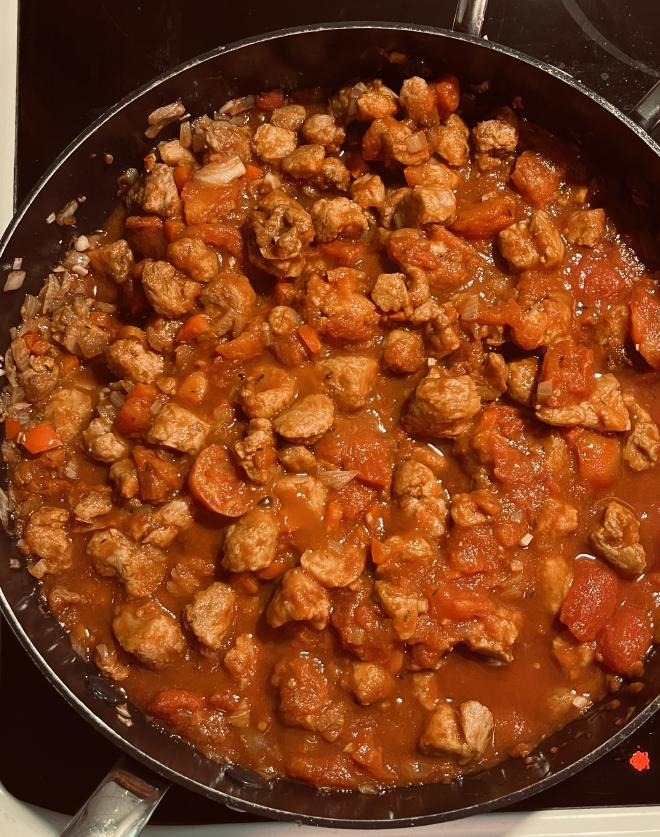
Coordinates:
<point>337,447</point>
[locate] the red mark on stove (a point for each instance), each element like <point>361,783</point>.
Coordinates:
<point>640,761</point>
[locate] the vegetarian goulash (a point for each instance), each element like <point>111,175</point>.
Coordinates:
<point>335,449</point>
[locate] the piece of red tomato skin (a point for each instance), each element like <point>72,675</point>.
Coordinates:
<point>626,638</point>
<point>591,599</point>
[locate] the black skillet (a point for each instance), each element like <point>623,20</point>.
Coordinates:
<point>327,55</point>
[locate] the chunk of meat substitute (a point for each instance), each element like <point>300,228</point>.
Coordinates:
<point>617,539</point>
<point>441,406</point>
<point>210,614</point>
<point>46,538</point>
<point>307,420</point>
<point>150,633</point>
<point>348,379</point>
<point>178,428</point>
<point>299,598</point>
<point>464,731</point>
<point>141,569</point>
<point>251,543</point>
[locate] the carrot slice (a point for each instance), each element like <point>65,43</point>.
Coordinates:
<point>310,339</point>
<point>40,438</point>
<point>135,413</point>
<point>215,482</point>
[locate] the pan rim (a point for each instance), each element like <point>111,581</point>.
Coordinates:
<point>36,655</point>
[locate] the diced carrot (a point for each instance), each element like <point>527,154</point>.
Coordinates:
<point>36,345</point>
<point>591,599</point>
<point>192,389</point>
<point>142,222</point>
<point>447,94</point>
<point>40,438</point>
<point>12,428</point>
<point>246,345</point>
<point>193,328</point>
<point>273,570</point>
<point>203,203</point>
<point>253,172</point>
<point>182,175</point>
<point>134,416</point>
<point>174,228</point>
<point>270,100</point>
<point>310,339</point>
<point>599,457</point>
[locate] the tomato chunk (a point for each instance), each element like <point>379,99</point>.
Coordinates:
<point>591,599</point>
<point>626,638</point>
<point>570,368</point>
<point>645,325</point>
<point>486,217</point>
<point>599,457</point>
<point>364,451</point>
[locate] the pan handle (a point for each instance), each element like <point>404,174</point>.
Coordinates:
<point>646,112</point>
<point>121,805</point>
<point>469,16</point>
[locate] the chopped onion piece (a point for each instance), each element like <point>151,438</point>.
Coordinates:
<point>4,510</point>
<point>67,215</point>
<point>337,479</point>
<point>417,142</point>
<point>166,113</point>
<point>14,280</point>
<point>234,106</point>
<point>272,180</point>
<point>18,263</point>
<point>219,174</point>
<point>50,218</point>
<point>526,539</point>
<point>470,308</point>
<point>544,390</point>
<point>185,135</point>
<point>82,243</point>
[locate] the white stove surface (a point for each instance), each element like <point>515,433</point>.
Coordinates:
<point>18,819</point>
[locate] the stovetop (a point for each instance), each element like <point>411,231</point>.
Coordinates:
<point>75,60</point>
